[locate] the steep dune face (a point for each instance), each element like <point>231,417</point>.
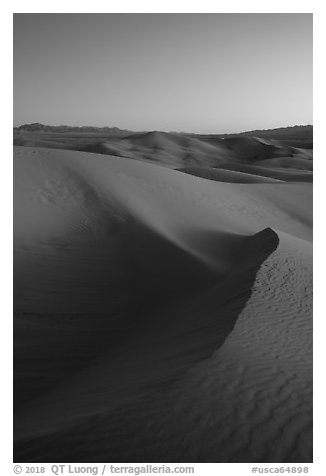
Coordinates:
<point>251,401</point>
<point>129,282</point>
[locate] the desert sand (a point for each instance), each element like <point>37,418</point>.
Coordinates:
<point>163,300</point>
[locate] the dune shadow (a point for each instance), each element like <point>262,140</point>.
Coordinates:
<point>167,340</point>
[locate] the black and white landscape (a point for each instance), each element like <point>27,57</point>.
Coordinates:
<point>162,280</point>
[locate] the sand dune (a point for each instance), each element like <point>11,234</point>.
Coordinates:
<point>188,151</point>
<point>175,150</point>
<point>254,148</point>
<point>289,162</point>
<point>231,176</point>
<point>160,316</point>
<point>279,173</point>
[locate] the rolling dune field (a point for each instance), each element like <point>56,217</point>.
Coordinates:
<point>162,300</point>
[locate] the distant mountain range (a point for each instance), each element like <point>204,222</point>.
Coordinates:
<point>282,132</point>
<point>37,127</point>
<point>301,131</point>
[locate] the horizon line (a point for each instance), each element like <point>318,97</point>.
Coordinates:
<point>161,130</point>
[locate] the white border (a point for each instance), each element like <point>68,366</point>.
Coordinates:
<point>249,6</point>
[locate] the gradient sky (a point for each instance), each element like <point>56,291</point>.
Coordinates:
<point>209,73</point>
